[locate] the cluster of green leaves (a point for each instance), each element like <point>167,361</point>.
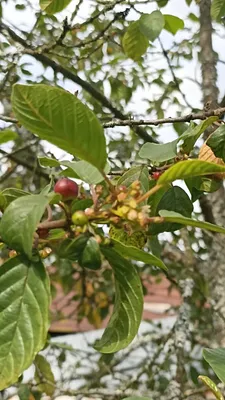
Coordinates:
<point>59,117</point>
<point>148,28</point>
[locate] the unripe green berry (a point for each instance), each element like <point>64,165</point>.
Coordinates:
<point>79,218</point>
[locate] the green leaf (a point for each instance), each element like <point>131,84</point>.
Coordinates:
<point>81,204</point>
<point>134,42</point>
<point>159,152</point>
<point>20,221</point>
<point>44,376</point>
<point>171,216</point>
<point>59,117</point>
<point>217,9</point>
<point>127,313</point>
<point>186,169</point>
<point>6,135</point>
<point>85,171</point>
<point>136,254</point>
<point>136,398</point>
<point>91,256</point>
<point>191,136</point>
<point>71,249</point>
<point>139,173</point>
<point>24,392</point>
<point>216,360</point>
<point>48,162</point>
<point>151,25</point>
<point>217,142</point>
<point>53,6</point>
<point>177,200</point>
<point>173,23</point>
<point>212,387</point>
<point>198,185</point>
<point>11,194</point>
<point>24,307</point>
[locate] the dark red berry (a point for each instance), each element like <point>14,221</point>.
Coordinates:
<point>156,175</point>
<point>43,233</point>
<point>67,188</point>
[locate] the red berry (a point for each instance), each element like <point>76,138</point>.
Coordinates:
<point>156,175</point>
<point>67,188</point>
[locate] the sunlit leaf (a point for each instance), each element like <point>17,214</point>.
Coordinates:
<point>186,169</point>
<point>53,6</point>
<point>151,25</point>
<point>61,118</point>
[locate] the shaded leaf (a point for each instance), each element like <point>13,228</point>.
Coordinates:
<point>44,376</point>
<point>24,304</point>
<point>91,256</point>
<point>159,152</point>
<point>20,221</point>
<point>191,135</point>
<point>61,118</point>
<point>171,216</point>
<point>127,313</point>
<point>175,199</point>
<point>72,248</point>
<point>137,254</point>
<point>85,171</point>
<point>217,142</point>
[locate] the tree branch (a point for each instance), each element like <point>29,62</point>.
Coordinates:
<point>132,122</point>
<point>74,78</point>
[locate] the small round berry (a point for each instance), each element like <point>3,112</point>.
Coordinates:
<point>156,175</point>
<point>79,218</point>
<point>67,188</point>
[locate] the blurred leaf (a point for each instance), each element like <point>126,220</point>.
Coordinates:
<point>6,135</point>
<point>43,375</point>
<point>72,248</point>
<point>212,387</point>
<point>85,171</point>
<point>217,9</point>
<point>159,152</point>
<point>53,6</point>
<point>173,23</point>
<point>151,25</point>
<point>134,42</point>
<point>48,162</point>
